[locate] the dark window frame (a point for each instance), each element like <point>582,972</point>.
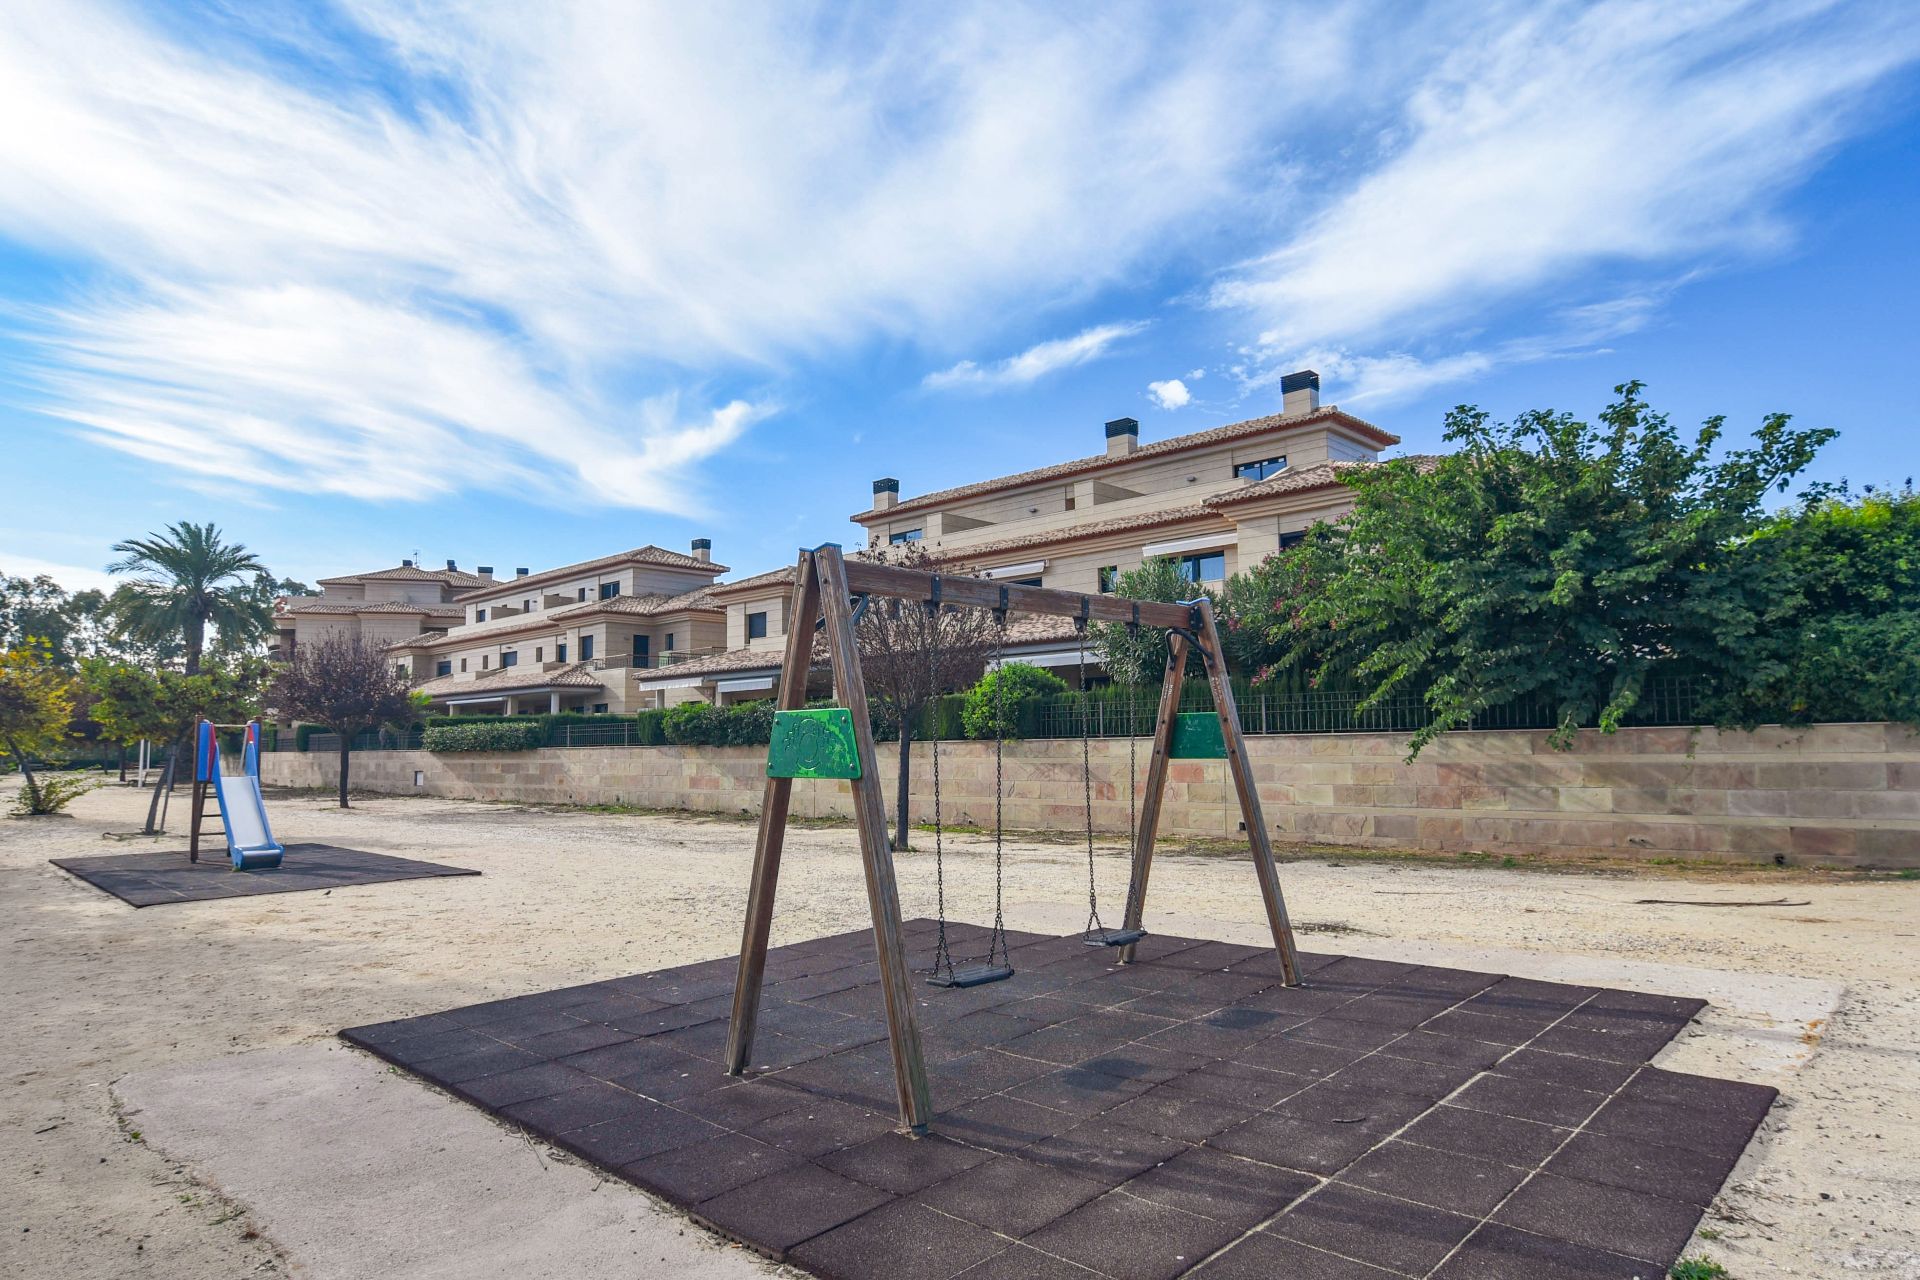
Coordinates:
<point>1261,468</point>
<point>1192,566</point>
<point>757,625</point>
<point>906,535</point>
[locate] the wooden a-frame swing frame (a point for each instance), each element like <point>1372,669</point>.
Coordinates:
<point>824,585</point>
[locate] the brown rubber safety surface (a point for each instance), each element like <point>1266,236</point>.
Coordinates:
<point>1184,1115</point>
<point>149,879</point>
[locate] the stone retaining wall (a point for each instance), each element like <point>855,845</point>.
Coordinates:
<point>1844,794</point>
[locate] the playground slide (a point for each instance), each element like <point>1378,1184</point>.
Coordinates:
<point>243,812</point>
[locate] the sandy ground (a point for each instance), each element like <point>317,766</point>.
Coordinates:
<point>91,990</point>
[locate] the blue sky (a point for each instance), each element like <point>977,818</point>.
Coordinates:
<point>518,285</point>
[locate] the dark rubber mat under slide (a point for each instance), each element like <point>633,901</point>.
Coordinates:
<point>1185,1115</point>
<point>149,879</point>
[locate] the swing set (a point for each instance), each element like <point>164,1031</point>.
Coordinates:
<point>830,593</point>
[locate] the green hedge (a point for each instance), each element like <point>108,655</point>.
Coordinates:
<point>498,736</point>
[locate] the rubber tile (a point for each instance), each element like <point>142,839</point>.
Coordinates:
<point>1172,1113</point>
<point>1265,1257</point>
<point>1447,1180</point>
<point>1645,1005</point>
<point>1674,1173</point>
<point>1002,1124</point>
<point>1118,1026</point>
<point>162,876</point>
<point>1609,1218</point>
<point>703,1040</point>
<point>575,1039</point>
<point>542,1081</point>
<point>1024,1263</point>
<point>688,1175</point>
<point>1529,997</point>
<point>744,1103</point>
<point>1525,1143</point>
<point>1213,1184</point>
<point>1013,1196</point>
<point>1103,1149</point>
<point>1529,1100</point>
<point>821,1126</point>
<point>1369,1106</point>
<point>1501,1253</point>
<point>1357,971</point>
<point>1128,1238</point>
<point>1308,1145</point>
<point>1376,1229</point>
<point>1633,1045</point>
<point>862,1001</point>
<point>1177,1003</point>
<point>575,1109</point>
<point>441,1042</point>
<point>1079,1091</point>
<point>637,1063</point>
<point>1453,1051</point>
<point>471,1064</point>
<point>517,1025</point>
<point>983,1072</point>
<point>1344,1033</point>
<point>903,1165</point>
<point>1298,1002</point>
<point>1239,1084</point>
<point>610,1007</point>
<point>1663,1124</point>
<point>1429,1080</point>
<point>1480,1026</point>
<point>863,1080</point>
<point>1751,1101</point>
<point>1141,1062</point>
<point>785,1208</point>
<point>638,1134</point>
<point>900,1241</point>
<point>1428,980</point>
<point>774,1052</point>
<point>1209,1042</point>
<point>1386,1008</point>
<point>1290,1053</point>
<point>1597,1075</point>
<point>1063,1044</point>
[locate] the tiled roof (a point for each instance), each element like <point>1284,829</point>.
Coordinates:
<point>541,619</point>
<point>648,554</point>
<point>785,575</point>
<point>1090,529</point>
<point>1099,462</point>
<point>412,573</point>
<point>732,660</point>
<point>646,606</point>
<point>513,679</point>
<point>1315,477</point>
<point>320,604</point>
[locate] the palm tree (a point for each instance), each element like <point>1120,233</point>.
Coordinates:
<point>190,578</point>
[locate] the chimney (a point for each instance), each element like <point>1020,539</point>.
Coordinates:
<point>452,567</point>
<point>703,550</point>
<point>1300,392</point>
<point>522,572</point>
<point>406,564</point>
<point>886,493</point>
<point>1123,437</point>
<point>485,571</point>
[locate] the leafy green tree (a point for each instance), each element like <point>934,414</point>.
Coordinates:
<point>347,685</point>
<point>73,625</point>
<point>36,705</point>
<point>1139,656</point>
<point>992,706</point>
<point>1547,560</point>
<point>192,579</point>
<point>130,703</point>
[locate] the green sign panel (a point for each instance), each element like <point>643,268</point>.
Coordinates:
<point>1196,736</point>
<point>816,743</point>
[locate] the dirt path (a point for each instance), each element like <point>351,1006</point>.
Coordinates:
<point>91,989</point>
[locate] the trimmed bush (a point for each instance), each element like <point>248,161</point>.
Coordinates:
<point>1010,686</point>
<point>503,735</point>
<point>696,724</point>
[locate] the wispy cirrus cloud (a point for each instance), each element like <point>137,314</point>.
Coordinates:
<point>1035,362</point>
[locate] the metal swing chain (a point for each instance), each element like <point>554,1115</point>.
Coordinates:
<point>942,956</point>
<point>1086,782</point>
<point>997,944</point>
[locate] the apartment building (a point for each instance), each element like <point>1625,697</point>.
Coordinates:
<point>381,607</point>
<point>575,638</point>
<point>1216,500</point>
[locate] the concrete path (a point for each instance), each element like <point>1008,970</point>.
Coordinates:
<point>360,1173</point>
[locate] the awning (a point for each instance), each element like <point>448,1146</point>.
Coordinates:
<point>742,685</point>
<point>1033,568</point>
<point>1205,542</point>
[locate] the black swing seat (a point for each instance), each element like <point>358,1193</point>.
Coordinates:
<point>973,975</point>
<point>1113,937</point>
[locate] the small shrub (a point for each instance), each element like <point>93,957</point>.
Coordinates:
<point>497,736</point>
<point>1698,1268</point>
<point>1007,687</point>
<point>696,724</point>
<point>49,793</point>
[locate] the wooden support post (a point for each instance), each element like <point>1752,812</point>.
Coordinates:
<point>870,812</point>
<point>803,609</point>
<point>1156,787</point>
<point>1258,838</point>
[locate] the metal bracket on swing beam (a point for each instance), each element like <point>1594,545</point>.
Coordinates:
<point>973,975</point>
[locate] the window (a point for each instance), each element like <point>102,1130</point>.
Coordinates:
<point>906,535</point>
<point>1069,497</point>
<point>1262,469</point>
<point>1023,582</point>
<point>510,659</point>
<point>444,667</point>
<point>479,615</point>
<point>642,651</point>
<point>463,664</point>
<point>484,660</point>
<point>1109,579</point>
<point>757,626</point>
<point>1288,540</point>
<point>539,654</point>
<point>400,669</point>
<point>608,590</point>
<point>559,650</point>
<point>669,644</point>
<point>581,594</point>
<point>586,648</point>
<point>1207,566</point>
<point>526,606</point>
<point>599,708</point>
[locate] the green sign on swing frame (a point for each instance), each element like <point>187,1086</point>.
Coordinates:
<point>1197,736</point>
<point>814,743</point>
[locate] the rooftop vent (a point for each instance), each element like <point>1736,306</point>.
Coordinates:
<point>406,564</point>
<point>522,572</point>
<point>1123,437</point>
<point>703,549</point>
<point>886,493</point>
<point>485,571</point>
<point>452,567</point>
<point>1300,392</point>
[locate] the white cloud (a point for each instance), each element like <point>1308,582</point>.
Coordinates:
<point>1563,140</point>
<point>1171,394</point>
<point>1035,362</point>
<point>71,576</point>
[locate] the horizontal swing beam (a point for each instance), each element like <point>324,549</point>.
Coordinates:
<point>892,582</point>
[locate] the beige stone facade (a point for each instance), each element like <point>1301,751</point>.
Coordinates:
<point>1842,794</point>
<point>573,638</point>
<point>383,607</point>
